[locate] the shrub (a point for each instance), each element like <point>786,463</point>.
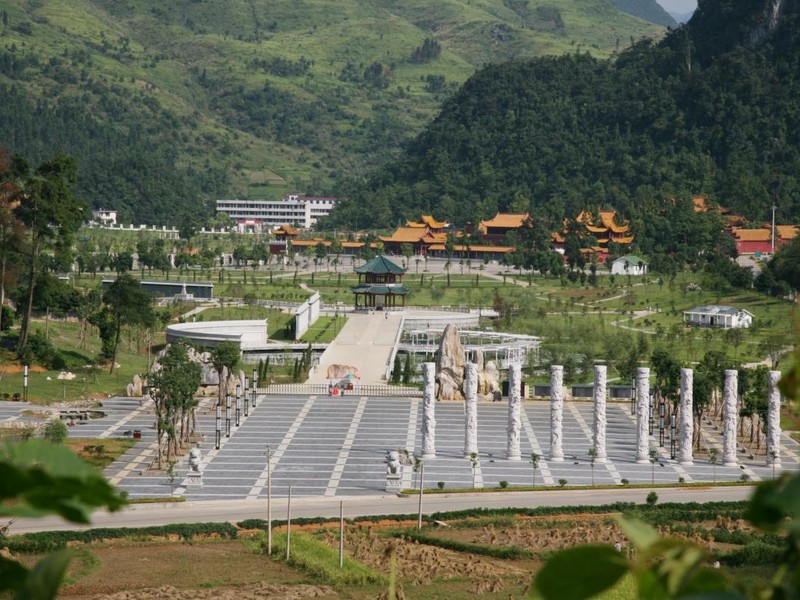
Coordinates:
<point>755,553</point>
<point>55,432</point>
<point>440,485</point>
<point>624,481</point>
<point>652,498</point>
<point>504,484</point>
<point>562,482</point>
<point>681,480</point>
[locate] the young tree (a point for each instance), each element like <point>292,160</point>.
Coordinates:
<point>224,357</point>
<point>172,388</point>
<point>49,211</point>
<point>126,303</point>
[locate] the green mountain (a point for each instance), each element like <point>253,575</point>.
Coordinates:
<point>167,105</point>
<point>713,108</point>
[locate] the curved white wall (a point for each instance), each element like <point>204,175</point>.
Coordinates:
<point>250,335</point>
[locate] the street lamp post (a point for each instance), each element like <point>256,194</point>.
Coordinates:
<point>246,401</point>
<point>255,385</point>
<point>661,424</point>
<point>218,426</point>
<point>238,404</point>
<point>228,416</point>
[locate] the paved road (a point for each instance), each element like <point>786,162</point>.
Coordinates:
<point>141,515</point>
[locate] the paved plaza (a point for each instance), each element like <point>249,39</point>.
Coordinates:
<point>336,446</point>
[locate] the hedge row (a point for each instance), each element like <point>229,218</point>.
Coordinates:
<point>48,541</point>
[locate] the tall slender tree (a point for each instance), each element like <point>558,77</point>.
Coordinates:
<point>127,303</point>
<point>49,211</point>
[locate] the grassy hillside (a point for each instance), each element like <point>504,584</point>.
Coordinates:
<point>195,99</point>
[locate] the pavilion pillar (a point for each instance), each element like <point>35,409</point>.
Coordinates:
<point>687,417</point>
<point>774,420</point>
<point>514,410</point>
<point>729,417</point>
<point>556,409</point>
<point>643,415</point>
<point>428,416</point>
<point>600,372</point>
<point>471,409</point>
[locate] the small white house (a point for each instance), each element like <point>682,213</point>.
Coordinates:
<point>629,265</point>
<point>722,317</point>
<point>105,217</point>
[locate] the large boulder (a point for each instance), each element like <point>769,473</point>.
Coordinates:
<point>488,378</point>
<point>341,371</point>
<point>450,362</point>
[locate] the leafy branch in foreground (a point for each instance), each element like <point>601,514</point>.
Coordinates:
<point>38,479</point>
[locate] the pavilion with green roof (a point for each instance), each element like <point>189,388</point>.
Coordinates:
<point>380,285</point>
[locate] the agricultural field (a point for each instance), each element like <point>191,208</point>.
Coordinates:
<point>491,554</point>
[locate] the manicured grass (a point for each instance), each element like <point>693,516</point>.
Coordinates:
<point>99,453</point>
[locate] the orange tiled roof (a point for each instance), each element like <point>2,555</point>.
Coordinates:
<point>557,237</point>
<point>312,242</point>
<point>506,221</point>
<point>607,217</point>
<point>285,230</point>
<point>428,221</point>
<point>405,235</point>
<point>787,232</point>
<point>752,235</point>
<point>623,240</point>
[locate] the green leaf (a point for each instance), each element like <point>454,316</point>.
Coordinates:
<point>579,573</point>
<point>41,478</point>
<point>641,534</point>
<point>12,574</point>
<point>772,501</point>
<point>43,581</point>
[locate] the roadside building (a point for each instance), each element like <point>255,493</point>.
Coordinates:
<point>629,265</point>
<point>720,317</point>
<point>259,216</point>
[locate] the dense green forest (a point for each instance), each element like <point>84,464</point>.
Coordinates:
<point>713,108</point>
<point>167,106</point>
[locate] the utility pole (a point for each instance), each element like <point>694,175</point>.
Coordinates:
<point>773,228</point>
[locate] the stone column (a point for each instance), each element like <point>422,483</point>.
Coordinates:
<point>687,418</point>
<point>514,410</point>
<point>470,409</point>
<point>428,417</point>
<point>643,415</point>
<point>556,408</point>
<point>600,413</point>
<point>730,415</point>
<point>774,420</point>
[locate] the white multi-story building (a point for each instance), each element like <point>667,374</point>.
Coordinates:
<point>262,215</point>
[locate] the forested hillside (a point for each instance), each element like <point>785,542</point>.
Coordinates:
<point>714,108</point>
<point>167,105</point>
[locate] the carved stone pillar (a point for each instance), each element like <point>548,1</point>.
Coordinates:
<point>643,415</point>
<point>687,418</point>
<point>774,420</point>
<point>428,416</point>
<point>600,413</point>
<point>730,415</point>
<point>470,409</point>
<point>556,409</point>
<point>514,410</point>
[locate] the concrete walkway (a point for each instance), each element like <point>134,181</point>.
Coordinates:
<point>365,342</point>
